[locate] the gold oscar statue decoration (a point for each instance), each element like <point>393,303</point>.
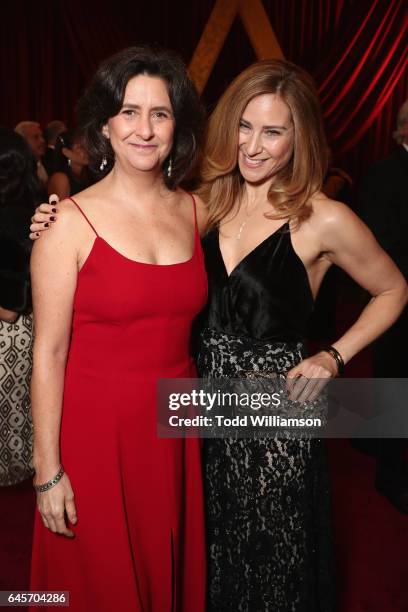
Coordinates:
<point>256,24</point>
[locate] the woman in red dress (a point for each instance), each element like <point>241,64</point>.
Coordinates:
<point>116,286</point>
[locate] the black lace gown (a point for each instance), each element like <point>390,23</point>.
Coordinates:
<point>267,500</point>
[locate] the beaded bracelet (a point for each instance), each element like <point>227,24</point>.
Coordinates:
<point>51,483</point>
<point>337,358</point>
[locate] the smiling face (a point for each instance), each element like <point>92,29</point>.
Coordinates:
<point>141,134</point>
<point>266,138</point>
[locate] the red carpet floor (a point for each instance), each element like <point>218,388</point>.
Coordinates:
<point>371,537</point>
<point>16,526</point>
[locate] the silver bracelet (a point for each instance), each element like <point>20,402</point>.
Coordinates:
<point>51,483</point>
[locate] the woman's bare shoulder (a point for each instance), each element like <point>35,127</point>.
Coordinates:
<point>91,195</point>
<point>202,213</point>
<point>69,222</point>
<point>327,212</point>
<point>190,196</point>
<point>200,207</point>
<point>67,211</point>
<point>337,225</point>
<point>62,240</point>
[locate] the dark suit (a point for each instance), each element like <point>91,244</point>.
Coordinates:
<point>383,206</point>
<point>15,249</point>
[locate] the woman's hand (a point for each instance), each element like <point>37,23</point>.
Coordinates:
<point>54,503</point>
<point>44,216</point>
<point>306,380</point>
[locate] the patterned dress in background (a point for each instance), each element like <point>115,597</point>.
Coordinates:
<point>15,418</point>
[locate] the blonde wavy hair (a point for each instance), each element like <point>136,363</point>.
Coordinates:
<point>290,192</point>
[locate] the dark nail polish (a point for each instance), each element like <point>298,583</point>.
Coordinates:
<point>37,234</point>
<point>46,224</point>
<point>53,210</point>
<point>52,218</point>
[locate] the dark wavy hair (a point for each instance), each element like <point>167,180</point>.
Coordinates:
<point>104,98</point>
<point>18,170</point>
<point>65,140</point>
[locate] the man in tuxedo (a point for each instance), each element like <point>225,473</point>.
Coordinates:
<point>383,205</point>
<point>32,133</point>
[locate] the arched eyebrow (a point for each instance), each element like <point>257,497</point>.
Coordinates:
<point>267,127</point>
<point>154,108</point>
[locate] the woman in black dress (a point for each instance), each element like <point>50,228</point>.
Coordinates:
<point>273,235</point>
<point>71,166</point>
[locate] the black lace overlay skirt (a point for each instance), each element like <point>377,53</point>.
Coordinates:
<point>267,501</point>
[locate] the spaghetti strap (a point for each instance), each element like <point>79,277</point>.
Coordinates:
<point>198,250</point>
<point>84,215</point>
<point>195,212</point>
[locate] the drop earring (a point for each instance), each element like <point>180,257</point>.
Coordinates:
<point>169,168</point>
<point>104,163</point>
<point>69,162</point>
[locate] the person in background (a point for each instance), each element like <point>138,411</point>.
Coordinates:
<point>383,206</point>
<point>19,193</point>
<point>71,161</point>
<point>32,133</point>
<point>51,132</point>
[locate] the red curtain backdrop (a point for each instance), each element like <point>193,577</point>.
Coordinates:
<point>357,51</point>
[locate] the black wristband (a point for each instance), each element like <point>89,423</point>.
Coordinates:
<point>337,358</point>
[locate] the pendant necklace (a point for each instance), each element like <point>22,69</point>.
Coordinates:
<point>238,236</point>
<point>243,224</point>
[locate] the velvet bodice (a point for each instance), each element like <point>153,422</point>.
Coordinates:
<point>267,296</point>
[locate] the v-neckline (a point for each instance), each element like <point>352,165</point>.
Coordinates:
<point>251,252</point>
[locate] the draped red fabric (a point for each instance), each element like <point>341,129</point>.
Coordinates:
<point>362,72</point>
<point>357,50</point>
<point>358,53</point>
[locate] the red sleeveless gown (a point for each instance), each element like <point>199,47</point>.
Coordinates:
<point>139,540</point>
